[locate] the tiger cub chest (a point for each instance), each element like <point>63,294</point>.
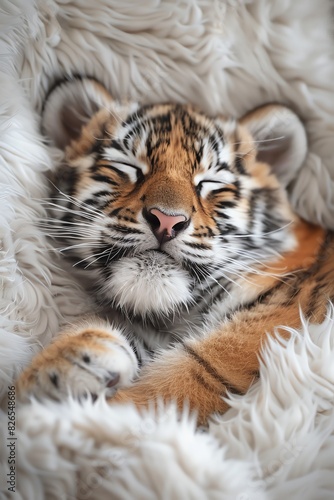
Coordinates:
<point>212,305</point>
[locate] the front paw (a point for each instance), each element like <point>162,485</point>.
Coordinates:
<point>89,360</point>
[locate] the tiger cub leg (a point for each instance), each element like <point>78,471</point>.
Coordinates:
<point>83,360</point>
<point>202,372</point>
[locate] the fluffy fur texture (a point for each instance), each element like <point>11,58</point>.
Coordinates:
<point>277,441</point>
<point>233,57</point>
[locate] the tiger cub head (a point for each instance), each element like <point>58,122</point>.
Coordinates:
<point>158,201</point>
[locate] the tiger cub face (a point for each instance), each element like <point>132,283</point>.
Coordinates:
<point>162,203</point>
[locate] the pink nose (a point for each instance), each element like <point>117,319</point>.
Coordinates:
<point>167,222</point>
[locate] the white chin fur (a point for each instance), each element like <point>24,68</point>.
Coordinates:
<point>150,283</point>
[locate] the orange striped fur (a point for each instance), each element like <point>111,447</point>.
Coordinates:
<point>183,225</point>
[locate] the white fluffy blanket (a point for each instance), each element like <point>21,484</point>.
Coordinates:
<point>225,56</point>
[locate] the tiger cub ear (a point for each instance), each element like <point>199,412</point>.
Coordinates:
<point>280,139</point>
<point>70,106</point>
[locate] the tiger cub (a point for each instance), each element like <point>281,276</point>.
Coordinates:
<point>181,225</point>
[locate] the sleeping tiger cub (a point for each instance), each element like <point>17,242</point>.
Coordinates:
<point>181,225</point>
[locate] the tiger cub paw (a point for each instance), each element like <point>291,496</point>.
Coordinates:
<point>81,362</point>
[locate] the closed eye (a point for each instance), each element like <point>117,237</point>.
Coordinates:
<point>209,181</point>
<point>125,164</point>
<point>132,171</point>
<point>206,186</point>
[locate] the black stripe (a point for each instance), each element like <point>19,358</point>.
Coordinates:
<point>223,166</point>
<point>222,215</point>
<point>102,193</point>
<point>318,291</point>
<point>137,115</point>
<point>239,166</point>
<point>264,297</point>
<point>222,190</point>
<point>139,172</point>
<point>214,143</point>
<point>97,202</point>
<point>229,229</point>
<point>124,229</point>
<point>199,246</point>
<point>136,129</point>
<point>114,212</point>
<point>116,145</point>
<point>198,157</point>
<point>104,178</point>
<point>117,171</point>
<point>226,204</point>
<point>127,219</point>
<point>212,371</point>
<point>59,81</point>
<point>207,386</point>
<point>118,239</point>
<point>316,266</point>
<point>136,352</point>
